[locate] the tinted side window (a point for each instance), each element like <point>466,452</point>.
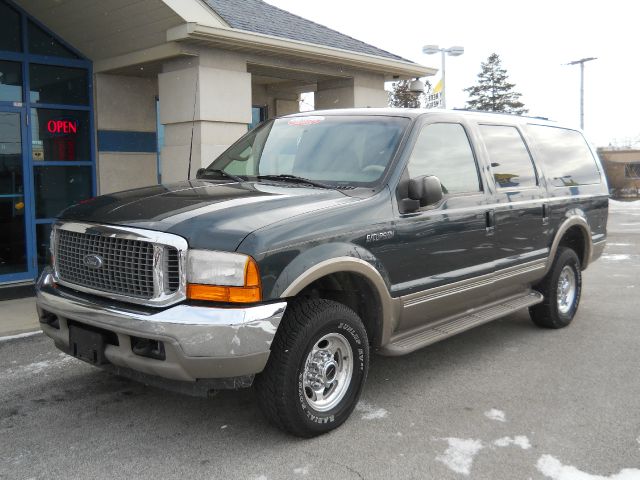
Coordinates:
<point>443,150</point>
<point>510,160</point>
<point>567,158</point>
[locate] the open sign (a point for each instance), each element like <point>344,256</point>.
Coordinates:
<point>62,126</point>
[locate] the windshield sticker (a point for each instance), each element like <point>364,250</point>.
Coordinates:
<point>305,121</point>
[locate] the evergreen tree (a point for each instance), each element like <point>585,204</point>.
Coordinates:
<point>402,97</point>
<point>494,93</point>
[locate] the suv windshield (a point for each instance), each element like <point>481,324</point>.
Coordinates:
<point>332,150</point>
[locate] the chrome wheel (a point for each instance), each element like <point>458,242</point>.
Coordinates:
<point>327,372</point>
<point>566,289</point>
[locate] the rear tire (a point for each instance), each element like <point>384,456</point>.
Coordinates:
<point>561,287</point>
<point>317,368</point>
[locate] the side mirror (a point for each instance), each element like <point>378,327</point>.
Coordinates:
<point>200,172</point>
<point>425,190</point>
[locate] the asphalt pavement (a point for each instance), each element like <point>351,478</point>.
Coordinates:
<point>503,401</point>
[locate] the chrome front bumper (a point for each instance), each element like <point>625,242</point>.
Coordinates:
<point>200,342</point>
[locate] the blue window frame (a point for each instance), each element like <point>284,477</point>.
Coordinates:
<point>62,147</point>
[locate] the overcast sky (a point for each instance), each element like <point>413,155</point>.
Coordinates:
<point>533,38</point>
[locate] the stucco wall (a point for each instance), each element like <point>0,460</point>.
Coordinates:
<point>277,102</point>
<point>125,110</point>
<point>360,90</point>
<point>211,94</point>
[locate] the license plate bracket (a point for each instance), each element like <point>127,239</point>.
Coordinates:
<point>87,345</point>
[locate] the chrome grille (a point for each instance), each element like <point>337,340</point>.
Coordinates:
<point>127,265</point>
<point>172,270</point>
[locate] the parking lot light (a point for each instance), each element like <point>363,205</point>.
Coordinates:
<point>454,51</point>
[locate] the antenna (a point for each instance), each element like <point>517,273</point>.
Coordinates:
<point>193,122</point>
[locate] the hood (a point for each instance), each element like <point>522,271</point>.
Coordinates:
<point>210,215</point>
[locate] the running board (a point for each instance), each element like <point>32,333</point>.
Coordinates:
<point>408,342</point>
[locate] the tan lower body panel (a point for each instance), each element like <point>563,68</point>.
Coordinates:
<point>430,307</point>
<point>410,341</point>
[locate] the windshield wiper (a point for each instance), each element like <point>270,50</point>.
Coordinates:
<point>295,179</point>
<point>222,173</point>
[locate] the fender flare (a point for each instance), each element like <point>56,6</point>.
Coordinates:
<point>389,306</point>
<point>572,221</point>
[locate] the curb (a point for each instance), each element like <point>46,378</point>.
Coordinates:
<point>20,335</point>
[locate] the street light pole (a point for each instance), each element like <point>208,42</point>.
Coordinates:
<point>582,61</point>
<point>454,52</point>
<point>444,90</point>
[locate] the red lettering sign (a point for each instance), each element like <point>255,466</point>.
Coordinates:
<point>62,126</point>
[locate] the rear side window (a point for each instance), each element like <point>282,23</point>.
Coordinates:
<point>511,162</point>
<point>443,150</point>
<point>567,158</point>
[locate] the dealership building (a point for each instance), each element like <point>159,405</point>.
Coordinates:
<point>98,96</point>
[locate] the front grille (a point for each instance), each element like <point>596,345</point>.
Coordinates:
<point>126,265</point>
<point>172,270</point>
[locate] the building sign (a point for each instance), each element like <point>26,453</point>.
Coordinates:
<point>62,127</point>
<point>434,99</point>
<point>64,132</point>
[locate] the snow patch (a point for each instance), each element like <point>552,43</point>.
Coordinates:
<point>19,335</point>
<point>36,368</point>
<point>370,412</point>
<point>495,414</point>
<point>460,454</point>
<point>552,468</point>
<point>616,257</point>
<point>618,205</point>
<point>301,470</point>
<point>519,441</point>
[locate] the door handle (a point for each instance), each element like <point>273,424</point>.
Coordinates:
<point>490,218</point>
<point>546,209</point>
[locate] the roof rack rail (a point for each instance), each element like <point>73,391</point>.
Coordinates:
<point>502,113</point>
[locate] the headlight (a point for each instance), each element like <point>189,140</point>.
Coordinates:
<point>222,277</point>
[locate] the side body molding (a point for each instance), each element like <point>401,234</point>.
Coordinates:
<point>573,219</point>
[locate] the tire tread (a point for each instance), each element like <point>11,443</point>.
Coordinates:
<point>297,324</point>
<point>545,314</point>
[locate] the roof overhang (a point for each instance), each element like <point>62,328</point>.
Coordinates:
<point>241,39</point>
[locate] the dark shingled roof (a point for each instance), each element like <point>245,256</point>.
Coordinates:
<point>260,17</point>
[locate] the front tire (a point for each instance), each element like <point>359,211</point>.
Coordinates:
<point>317,368</point>
<point>561,287</point>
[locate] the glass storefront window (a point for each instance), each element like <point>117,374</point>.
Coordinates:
<point>10,36</point>
<point>13,254</point>
<point>58,187</point>
<point>39,182</point>
<point>61,85</point>
<point>10,81</point>
<point>60,135</point>
<point>258,115</point>
<point>42,43</point>
<point>11,182</point>
<point>43,234</point>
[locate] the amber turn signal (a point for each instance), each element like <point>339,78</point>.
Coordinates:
<point>251,292</point>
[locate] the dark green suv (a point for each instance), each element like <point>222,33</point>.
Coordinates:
<point>319,238</point>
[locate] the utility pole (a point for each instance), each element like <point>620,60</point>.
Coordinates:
<point>582,61</point>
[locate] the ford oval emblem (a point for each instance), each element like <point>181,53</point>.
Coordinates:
<point>93,261</point>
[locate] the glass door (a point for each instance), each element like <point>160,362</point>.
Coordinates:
<point>14,224</point>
